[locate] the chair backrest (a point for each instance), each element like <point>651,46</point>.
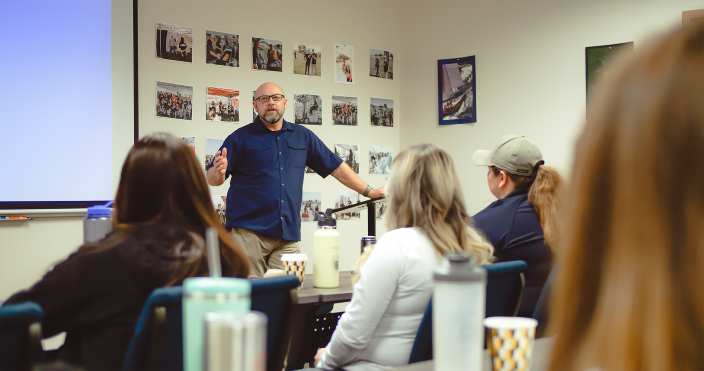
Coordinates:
<point>504,290</point>
<point>423,345</point>
<point>504,287</point>
<point>157,343</point>
<point>20,335</point>
<point>542,308</point>
<point>275,297</point>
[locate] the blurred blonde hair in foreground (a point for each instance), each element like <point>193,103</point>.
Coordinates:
<point>423,191</point>
<point>628,294</point>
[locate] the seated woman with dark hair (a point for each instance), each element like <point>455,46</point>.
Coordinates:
<point>162,210</point>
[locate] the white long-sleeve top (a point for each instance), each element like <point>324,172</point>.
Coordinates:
<point>380,323</point>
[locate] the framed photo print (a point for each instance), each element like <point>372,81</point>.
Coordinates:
<point>457,84</point>
<point>344,64</point>
<point>597,60</point>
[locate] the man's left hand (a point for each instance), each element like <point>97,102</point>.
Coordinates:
<point>377,192</point>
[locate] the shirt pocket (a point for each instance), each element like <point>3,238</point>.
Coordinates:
<point>297,154</point>
<point>258,154</point>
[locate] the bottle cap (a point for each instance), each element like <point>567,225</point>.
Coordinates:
<point>459,267</point>
<point>100,210</point>
<point>211,285</point>
<point>326,221</point>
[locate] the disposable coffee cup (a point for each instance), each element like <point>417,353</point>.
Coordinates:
<point>295,264</point>
<point>511,340</point>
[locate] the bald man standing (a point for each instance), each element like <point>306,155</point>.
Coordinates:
<point>265,161</point>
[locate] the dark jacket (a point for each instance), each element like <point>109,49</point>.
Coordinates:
<point>513,227</point>
<point>97,294</point>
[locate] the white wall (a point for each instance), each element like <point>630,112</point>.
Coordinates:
<point>529,68</point>
<point>530,80</point>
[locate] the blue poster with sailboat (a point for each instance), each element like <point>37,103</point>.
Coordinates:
<point>457,100</point>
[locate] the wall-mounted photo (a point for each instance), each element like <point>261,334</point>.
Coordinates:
<point>379,210</point>
<point>174,101</point>
<point>254,109</point>
<point>344,110</point>
<point>307,59</point>
<point>174,42</point>
<point>381,64</point>
<point>380,159</point>
<point>597,59</point>
<point>211,148</point>
<point>220,205</point>
<point>382,112</point>
<point>457,102</point>
<point>311,204</point>
<point>222,49</point>
<point>191,143</point>
<point>344,64</point>
<point>349,153</point>
<point>222,104</point>
<point>267,54</point>
<point>308,109</point>
<point>346,198</point>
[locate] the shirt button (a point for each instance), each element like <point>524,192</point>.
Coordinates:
<point>282,184</point>
<point>279,152</point>
<point>282,168</point>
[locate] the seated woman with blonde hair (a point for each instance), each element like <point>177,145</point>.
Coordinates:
<point>162,210</point>
<point>426,219</point>
<point>628,291</point>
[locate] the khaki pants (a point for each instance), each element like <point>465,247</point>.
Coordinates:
<point>262,252</point>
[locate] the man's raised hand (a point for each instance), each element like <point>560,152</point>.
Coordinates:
<point>221,162</point>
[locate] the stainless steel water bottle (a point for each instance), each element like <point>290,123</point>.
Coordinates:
<point>97,223</point>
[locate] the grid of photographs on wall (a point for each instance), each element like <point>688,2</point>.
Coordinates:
<point>212,146</point>
<point>267,54</point>
<point>349,153</point>
<point>380,159</point>
<point>382,112</point>
<point>222,49</point>
<point>346,198</point>
<point>220,205</point>
<point>344,64</point>
<point>307,59</point>
<point>308,109</point>
<point>174,42</point>
<point>174,101</point>
<point>381,64</point>
<point>191,143</point>
<point>222,104</point>
<point>344,110</point>
<point>311,204</point>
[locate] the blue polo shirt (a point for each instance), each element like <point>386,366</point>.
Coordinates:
<point>513,227</point>
<point>266,171</point>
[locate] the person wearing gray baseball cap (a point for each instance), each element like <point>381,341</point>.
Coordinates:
<point>522,222</point>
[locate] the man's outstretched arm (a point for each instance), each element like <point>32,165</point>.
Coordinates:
<point>345,175</point>
<point>216,174</point>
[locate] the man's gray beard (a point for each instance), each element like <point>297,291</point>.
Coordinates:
<point>272,120</point>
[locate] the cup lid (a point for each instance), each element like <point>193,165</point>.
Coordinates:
<point>294,258</point>
<point>510,323</point>
<point>213,285</point>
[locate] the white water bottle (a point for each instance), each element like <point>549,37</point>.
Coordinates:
<point>326,253</point>
<point>459,300</point>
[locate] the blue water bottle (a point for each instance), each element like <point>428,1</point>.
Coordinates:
<point>97,223</point>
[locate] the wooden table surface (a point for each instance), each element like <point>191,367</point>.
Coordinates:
<point>541,358</point>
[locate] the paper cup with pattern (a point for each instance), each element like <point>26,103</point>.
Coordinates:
<point>510,340</point>
<point>295,264</point>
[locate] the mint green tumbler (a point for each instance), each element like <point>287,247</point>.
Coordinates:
<point>208,294</point>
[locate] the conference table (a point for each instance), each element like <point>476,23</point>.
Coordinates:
<point>310,299</point>
<point>541,358</point>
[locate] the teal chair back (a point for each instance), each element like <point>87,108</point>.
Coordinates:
<point>20,336</point>
<point>157,343</point>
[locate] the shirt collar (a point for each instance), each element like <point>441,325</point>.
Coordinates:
<point>262,127</point>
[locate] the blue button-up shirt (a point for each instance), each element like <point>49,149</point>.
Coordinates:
<point>266,169</point>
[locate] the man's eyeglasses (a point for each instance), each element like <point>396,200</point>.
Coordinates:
<point>265,98</point>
